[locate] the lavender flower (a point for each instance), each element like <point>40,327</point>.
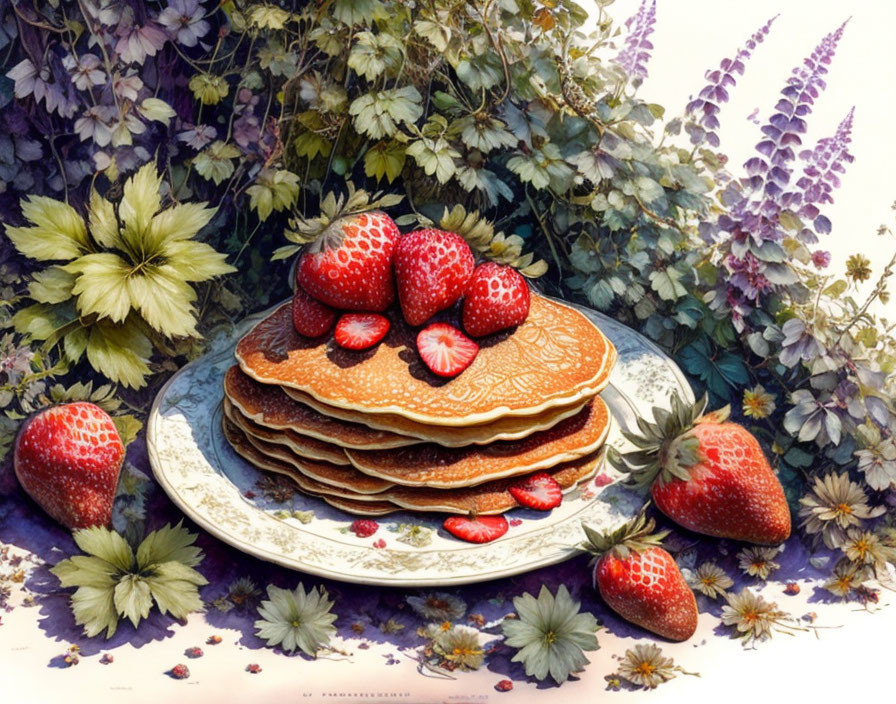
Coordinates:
<point>184,20</point>
<point>635,52</point>
<point>127,87</point>
<point>136,43</point>
<point>96,124</point>
<point>198,136</point>
<point>821,259</point>
<point>705,107</point>
<point>246,130</point>
<point>86,71</point>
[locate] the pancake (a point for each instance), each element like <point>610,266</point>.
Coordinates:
<point>484,499</point>
<point>302,445</point>
<point>442,467</point>
<point>362,508</point>
<point>268,406</point>
<point>506,428</point>
<point>557,357</point>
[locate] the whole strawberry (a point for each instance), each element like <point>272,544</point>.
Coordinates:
<point>349,265</point>
<point>497,297</point>
<point>709,475</point>
<point>640,581</point>
<point>67,458</point>
<point>432,270</point>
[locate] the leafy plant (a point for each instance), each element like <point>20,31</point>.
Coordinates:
<point>296,619</point>
<point>126,284</point>
<point>550,634</point>
<point>114,582</point>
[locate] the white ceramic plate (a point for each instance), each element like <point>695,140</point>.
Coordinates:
<point>218,490</point>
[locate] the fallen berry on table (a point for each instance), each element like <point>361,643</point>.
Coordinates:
<point>504,686</point>
<point>106,659</point>
<point>364,527</point>
<point>179,672</point>
<point>213,640</point>
<point>792,588</point>
<point>254,668</point>
<point>193,652</point>
<point>379,543</point>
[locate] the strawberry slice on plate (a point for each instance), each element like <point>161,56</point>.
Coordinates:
<point>479,529</point>
<point>358,331</point>
<point>445,349</point>
<point>539,491</point>
<point>310,317</point>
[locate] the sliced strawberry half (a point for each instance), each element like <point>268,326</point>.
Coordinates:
<point>481,529</point>
<point>539,491</point>
<point>358,331</point>
<point>310,317</point>
<point>445,349</point>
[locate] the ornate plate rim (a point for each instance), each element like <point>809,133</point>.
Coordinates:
<point>400,579</point>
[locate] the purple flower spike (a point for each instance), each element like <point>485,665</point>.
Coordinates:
<point>704,108</point>
<point>635,52</point>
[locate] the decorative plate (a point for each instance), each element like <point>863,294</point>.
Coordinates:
<point>221,492</point>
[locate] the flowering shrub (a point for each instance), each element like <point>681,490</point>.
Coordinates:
<point>503,119</point>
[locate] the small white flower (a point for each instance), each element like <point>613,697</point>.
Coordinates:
<point>86,71</point>
<point>96,124</point>
<point>183,18</point>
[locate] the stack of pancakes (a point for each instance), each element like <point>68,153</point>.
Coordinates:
<point>375,431</point>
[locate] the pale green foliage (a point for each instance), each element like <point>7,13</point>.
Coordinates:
<point>215,162</point>
<point>114,583</point>
<point>127,275</point>
<point>550,634</point>
<point>273,190</point>
<point>296,619</point>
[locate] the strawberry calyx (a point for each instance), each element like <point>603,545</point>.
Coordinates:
<point>667,448</point>
<point>325,231</point>
<point>636,535</point>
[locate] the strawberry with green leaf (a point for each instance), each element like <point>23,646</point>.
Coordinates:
<point>640,580</point>
<point>707,474</point>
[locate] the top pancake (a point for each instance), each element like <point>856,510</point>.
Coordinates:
<point>557,357</point>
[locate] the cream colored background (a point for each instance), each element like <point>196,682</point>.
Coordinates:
<point>692,36</point>
<point>853,663</point>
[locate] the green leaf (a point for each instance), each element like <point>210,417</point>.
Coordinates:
<point>85,571</point>
<point>103,222</point>
<point>102,285</point>
<point>120,352</point>
<point>385,159</point>
<point>52,285</point>
<point>720,373</point>
<point>174,588</point>
<point>178,222</point>
<point>481,72</point>
<point>378,114</point>
<point>648,189</point>
<point>42,321</point>
<point>105,544</point>
<point>58,232</point>
<point>372,54</point>
<point>194,261</point>
<point>667,283</point>
<point>836,289</point>
<point>437,33</point>
<point>141,200</point>
<point>132,598</point>
<point>790,221</point>
<point>94,608</point>
<point>868,337</point>
<point>285,252</point>
<point>435,157</point>
<point>128,427</point>
<point>164,299</point>
<point>157,110</point>
<point>75,344</point>
<point>214,163</point>
<point>169,544</point>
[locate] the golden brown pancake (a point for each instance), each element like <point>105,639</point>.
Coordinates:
<point>362,508</point>
<point>557,357</point>
<point>302,445</point>
<point>268,406</point>
<point>504,428</point>
<point>323,477</point>
<point>484,499</point>
<point>452,467</point>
